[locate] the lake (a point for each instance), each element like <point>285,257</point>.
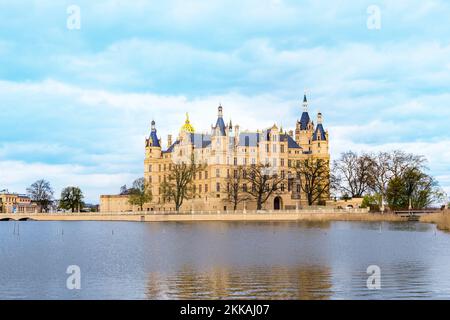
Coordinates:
<point>223,260</point>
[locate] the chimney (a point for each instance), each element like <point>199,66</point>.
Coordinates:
<point>169,140</point>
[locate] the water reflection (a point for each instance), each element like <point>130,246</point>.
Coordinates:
<point>220,260</point>
<point>306,282</point>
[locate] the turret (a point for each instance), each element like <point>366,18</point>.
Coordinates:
<point>219,129</point>
<point>320,137</point>
<point>304,128</point>
<point>153,144</point>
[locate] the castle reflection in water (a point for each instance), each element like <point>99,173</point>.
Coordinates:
<point>303,282</point>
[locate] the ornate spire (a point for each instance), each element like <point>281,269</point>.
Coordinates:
<point>219,129</point>
<point>187,125</point>
<point>153,137</point>
<point>319,118</point>
<point>305,103</point>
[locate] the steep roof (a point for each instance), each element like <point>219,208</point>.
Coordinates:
<point>170,149</point>
<point>153,137</point>
<point>291,142</point>
<point>319,132</point>
<point>304,120</point>
<point>221,125</point>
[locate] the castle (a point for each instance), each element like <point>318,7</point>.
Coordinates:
<point>221,151</point>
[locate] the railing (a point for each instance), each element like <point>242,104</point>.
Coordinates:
<point>417,212</point>
<point>197,212</point>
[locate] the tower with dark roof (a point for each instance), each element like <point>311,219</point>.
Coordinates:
<point>219,129</point>
<point>319,144</point>
<point>304,128</point>
<point>153,143</point>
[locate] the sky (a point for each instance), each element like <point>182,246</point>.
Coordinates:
<point>79,88</point>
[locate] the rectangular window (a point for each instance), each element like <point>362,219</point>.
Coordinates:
<point>200,175</point>
<point>218,187</point>
<point>282,148</point>
<point>200,188</point>
<point>206,187</point>
<point>282,162</point>
<point>206,174</point>
<point>217,173</point>
<point>235,161</point>
<point>150,168</point>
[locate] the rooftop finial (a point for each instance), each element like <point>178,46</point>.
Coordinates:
<point>220,110</point>
<point>153,125</point>
<point>305,102</point>
<point>319,118</point>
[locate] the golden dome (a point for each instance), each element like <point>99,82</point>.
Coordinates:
<point>187,127</point>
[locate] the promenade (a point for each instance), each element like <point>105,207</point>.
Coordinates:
<point>275,215</point>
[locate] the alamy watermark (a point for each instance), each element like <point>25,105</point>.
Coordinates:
<point>74,17</point>
<point>374,280</point>
<point>73,282</point>
<point>374,17</point>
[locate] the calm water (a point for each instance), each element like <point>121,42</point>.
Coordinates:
<point>126,260</point>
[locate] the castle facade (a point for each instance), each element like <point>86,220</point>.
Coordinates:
<point>220,152</point>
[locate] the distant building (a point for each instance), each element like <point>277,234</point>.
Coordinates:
<point>221,151</point>
<point>16,203</point>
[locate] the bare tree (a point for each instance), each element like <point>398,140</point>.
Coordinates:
<point>42,193</point>
<point>314,175</point>
<point>401,161</point>
<point>236,186</point>
<point>354,173</point>
<point>381,173</point>
<point>263,182</point>
<point>177,187</point>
